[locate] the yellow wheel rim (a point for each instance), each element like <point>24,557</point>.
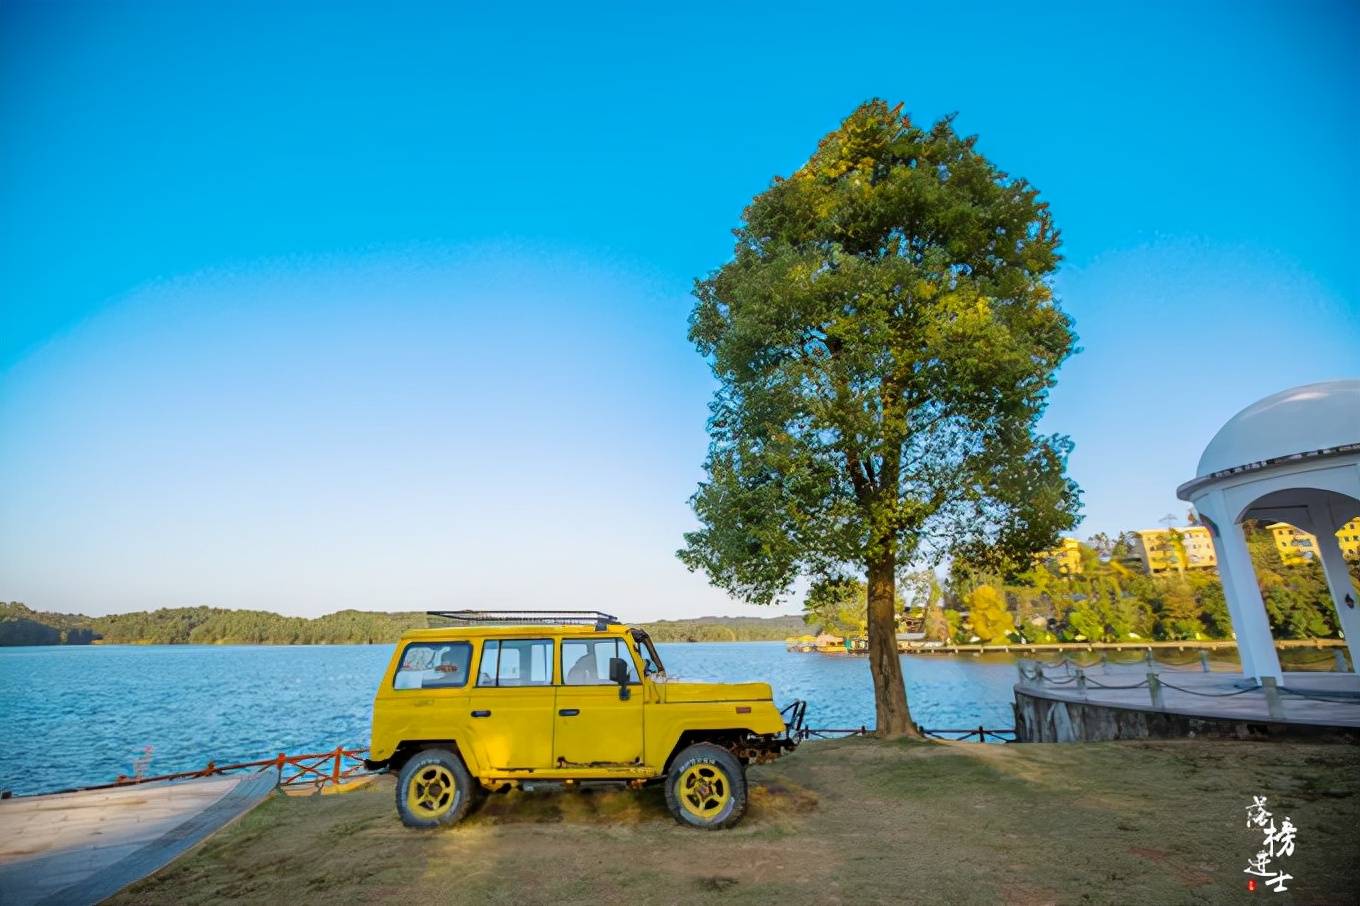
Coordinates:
<point>704,790</point>
<point>431,791</point>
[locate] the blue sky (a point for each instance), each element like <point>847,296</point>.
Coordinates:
<point>309,308</point>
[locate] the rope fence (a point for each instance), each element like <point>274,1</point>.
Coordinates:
<point>1336,659</point>
<point>1167,685</point>
<point>1313,696</point>
<point>1100,685</point>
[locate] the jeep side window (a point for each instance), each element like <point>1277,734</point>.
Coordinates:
<point>585,662</point>
<point>647,666</point>
<point>436,665</point>
<point>516,662</point>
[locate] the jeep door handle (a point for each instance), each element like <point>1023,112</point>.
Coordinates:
<point>568,712</point>
<point>481,713</point>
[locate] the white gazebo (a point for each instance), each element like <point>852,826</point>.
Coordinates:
<point>1292,457</point>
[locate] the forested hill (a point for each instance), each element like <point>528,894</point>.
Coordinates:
<point>726,629</point>
<point>20,625</point>
<point>201,625</point>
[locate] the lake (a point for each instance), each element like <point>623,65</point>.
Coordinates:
<point>76,715</point>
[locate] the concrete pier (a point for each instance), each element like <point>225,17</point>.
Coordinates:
<point>78,848</point>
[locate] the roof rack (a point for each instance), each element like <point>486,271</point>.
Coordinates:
<point>528,617</point>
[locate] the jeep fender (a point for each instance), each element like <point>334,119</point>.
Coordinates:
<point>409,747</point>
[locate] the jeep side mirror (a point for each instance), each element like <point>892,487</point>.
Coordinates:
<point>618,671</point>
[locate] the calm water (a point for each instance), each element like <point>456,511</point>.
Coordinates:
<point>80,714</point>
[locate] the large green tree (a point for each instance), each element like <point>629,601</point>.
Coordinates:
<point>839,607</point>
<point>884,338</point>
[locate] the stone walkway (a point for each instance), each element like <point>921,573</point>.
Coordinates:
<point>78,848</point>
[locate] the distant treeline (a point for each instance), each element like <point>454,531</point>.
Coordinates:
<point>726,629</point>
<point>201,626</point>
<point>20,625</point>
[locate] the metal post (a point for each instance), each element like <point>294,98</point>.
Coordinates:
<point>1155,689</point>
<point>335,773</point>
<point>1081,681</point>
<point>1204,660</point>
<point>1274,706</point>
<point>1105,661</point>
<point>1340,661</point>
<point>1149,658</point>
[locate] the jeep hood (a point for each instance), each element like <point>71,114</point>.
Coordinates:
<point>681,691</point>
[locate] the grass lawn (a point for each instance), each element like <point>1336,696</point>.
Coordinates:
<point>847,821</point>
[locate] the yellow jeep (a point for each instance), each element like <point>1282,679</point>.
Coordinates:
<point>492,700</point>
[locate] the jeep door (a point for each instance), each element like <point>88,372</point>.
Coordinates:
<point>512,704</point>
<point>598,722</point>
<point>427,696</point>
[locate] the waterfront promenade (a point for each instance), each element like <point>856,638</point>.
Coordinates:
<point>1178,645</point>
<point>1069,703</point>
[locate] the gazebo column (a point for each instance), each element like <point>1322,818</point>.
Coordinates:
<point>1338,578</point>
<point>1255,645</point>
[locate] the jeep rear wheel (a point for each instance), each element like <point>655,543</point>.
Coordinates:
<point>706,787</point>
<point>434,789</point>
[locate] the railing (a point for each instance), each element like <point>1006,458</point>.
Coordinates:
<point>1337,660</point>
<point>340,764</point>
<point>294,771</point>
<point>981,733</point>
<point>1267,687</point>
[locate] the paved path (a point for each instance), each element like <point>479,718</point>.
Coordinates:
<point>78,848</point>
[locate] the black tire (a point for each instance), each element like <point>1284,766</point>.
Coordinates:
<point>723,802</point>
<point>426,799</point>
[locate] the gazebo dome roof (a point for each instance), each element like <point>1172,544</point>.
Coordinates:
<point>1300,420</point>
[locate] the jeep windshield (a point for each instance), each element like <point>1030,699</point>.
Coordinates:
<point>651,661</point>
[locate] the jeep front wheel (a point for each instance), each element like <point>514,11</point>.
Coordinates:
<point>434,789</point>
<point>706,787</point>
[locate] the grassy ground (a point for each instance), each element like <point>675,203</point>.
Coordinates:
<point>850,821</point>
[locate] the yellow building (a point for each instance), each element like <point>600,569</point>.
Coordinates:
<point>1349,539</point>
<point>1161,550</point>
<point>1297,546</point>
<point>1065,559</point>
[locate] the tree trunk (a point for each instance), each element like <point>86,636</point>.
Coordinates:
<point>890,694</point>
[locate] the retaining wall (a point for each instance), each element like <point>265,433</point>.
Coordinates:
<point>1040,719</point>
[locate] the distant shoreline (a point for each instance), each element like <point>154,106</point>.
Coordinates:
<point>229,644</point>
<point>23,627</point>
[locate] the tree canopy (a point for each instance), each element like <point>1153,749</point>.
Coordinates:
<point>1110,601</point>
<point>884,339</point>
<point>838,607</point>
